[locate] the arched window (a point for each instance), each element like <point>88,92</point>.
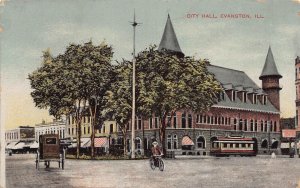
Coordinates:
<point>175,141</point>
<point>271,126</point>
<point>201,142</point>
<point>275,126</point>
<point>266,126</point>
<point>128,145</point>
<point>251,125</point>
<point>183,120</point>
<point>274,144</point>
<point>234,124</point>
<point>138,143</point>
<point>169,141</point>
<point>190,120</point>
<point>240,124</point>
<point>255,125</point>
<point>261,126</point>
<point>264,144</point>
<point>245,125</point>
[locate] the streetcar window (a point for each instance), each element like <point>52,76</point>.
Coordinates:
<point>225,145</point>
<point>237,145</point>
<point>243,145</point>
<point>231,145</point>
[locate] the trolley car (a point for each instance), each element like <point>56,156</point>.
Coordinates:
<point>50,151</point>
<point>233,146</point>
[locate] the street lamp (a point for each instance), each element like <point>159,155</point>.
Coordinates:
<point>134,24</point>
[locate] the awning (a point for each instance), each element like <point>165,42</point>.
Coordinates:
<point>20,145</point>
<point>34,145</point>
<point>83,141</point>
<point>186,141</point>
<point>99,142</point>
<point>11,145</point>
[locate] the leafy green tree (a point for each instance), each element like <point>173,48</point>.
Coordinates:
<point>172,83</point>
<point>75,83</point>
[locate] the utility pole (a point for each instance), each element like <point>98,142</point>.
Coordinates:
<point>134,24</point>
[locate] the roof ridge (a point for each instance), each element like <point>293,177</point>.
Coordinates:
<point>227,68</point>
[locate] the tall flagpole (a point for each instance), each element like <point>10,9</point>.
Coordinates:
<point>134,24</point>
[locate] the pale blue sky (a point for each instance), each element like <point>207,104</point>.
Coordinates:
<point>31,26</point>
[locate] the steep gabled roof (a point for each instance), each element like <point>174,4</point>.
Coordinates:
<point>270,68</point>
<point>231,76</point>
<point>169,40</point>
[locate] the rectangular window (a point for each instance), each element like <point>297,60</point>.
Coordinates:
<point>233,95</point>
<point>156,122</point>
<point>150,123</point>
<point>208,119</point>
<point>244,97</point>
<point>231,145</point>
<point>190,120</point>
<point>183,121</point>
<point>174,121</point>
<point>169,120</point>
<point>111,128</point>
<point>140,123</point>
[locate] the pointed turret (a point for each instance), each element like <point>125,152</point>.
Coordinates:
<point>270,80</point>
<point>270,68</point>
<point>169,40</point>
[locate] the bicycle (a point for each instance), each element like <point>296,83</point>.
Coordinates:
<point>157,161</point>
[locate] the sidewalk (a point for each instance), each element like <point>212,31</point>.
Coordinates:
<point>183,157</point>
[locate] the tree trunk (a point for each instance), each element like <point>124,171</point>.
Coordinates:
<point>125,144</point>
<point>93,123</point>
<point>78,138</point>
<point>93,138</point>
<point>162,132</point>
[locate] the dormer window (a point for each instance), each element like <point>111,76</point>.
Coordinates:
<point>222,96</point>
<point>233,95</point>
<point>254,99</point>
<point>244,97</point>
<point>264,99</point>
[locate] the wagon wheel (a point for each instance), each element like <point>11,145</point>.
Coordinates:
<point>62,164</point>
<point>62,156</point>
<point>37,160</point>
<point>47,164</point>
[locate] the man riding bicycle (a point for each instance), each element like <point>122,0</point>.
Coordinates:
<point>156,151</point>
<point>156,160</point>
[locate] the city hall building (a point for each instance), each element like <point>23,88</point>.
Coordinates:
<point>244,110</point>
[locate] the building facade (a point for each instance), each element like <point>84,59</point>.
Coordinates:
<point>108,130</point>
<point>54,127</point>
<point>244,109</point>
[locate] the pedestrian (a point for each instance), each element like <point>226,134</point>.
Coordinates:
<point>273,156</point>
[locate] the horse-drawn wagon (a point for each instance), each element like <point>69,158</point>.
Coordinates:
<point>50,150</point>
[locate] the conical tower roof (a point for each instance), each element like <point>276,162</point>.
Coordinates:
<point>270,68</point>
<point>169,40</point>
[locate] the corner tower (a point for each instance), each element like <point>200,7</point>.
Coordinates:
<point>270,80</point>
<point>297,83</point>
<point>169,40</point>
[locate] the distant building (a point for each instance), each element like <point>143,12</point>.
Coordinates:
<point>105,135</point>
<point>20,140</point>
<point>22,133</point>
<point>54,127</point>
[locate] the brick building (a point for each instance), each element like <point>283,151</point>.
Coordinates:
<point>244,109</point>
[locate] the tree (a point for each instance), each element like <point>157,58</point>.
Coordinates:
<point>120,99</point>
<point>74,83</point>
<point>173,83</point>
